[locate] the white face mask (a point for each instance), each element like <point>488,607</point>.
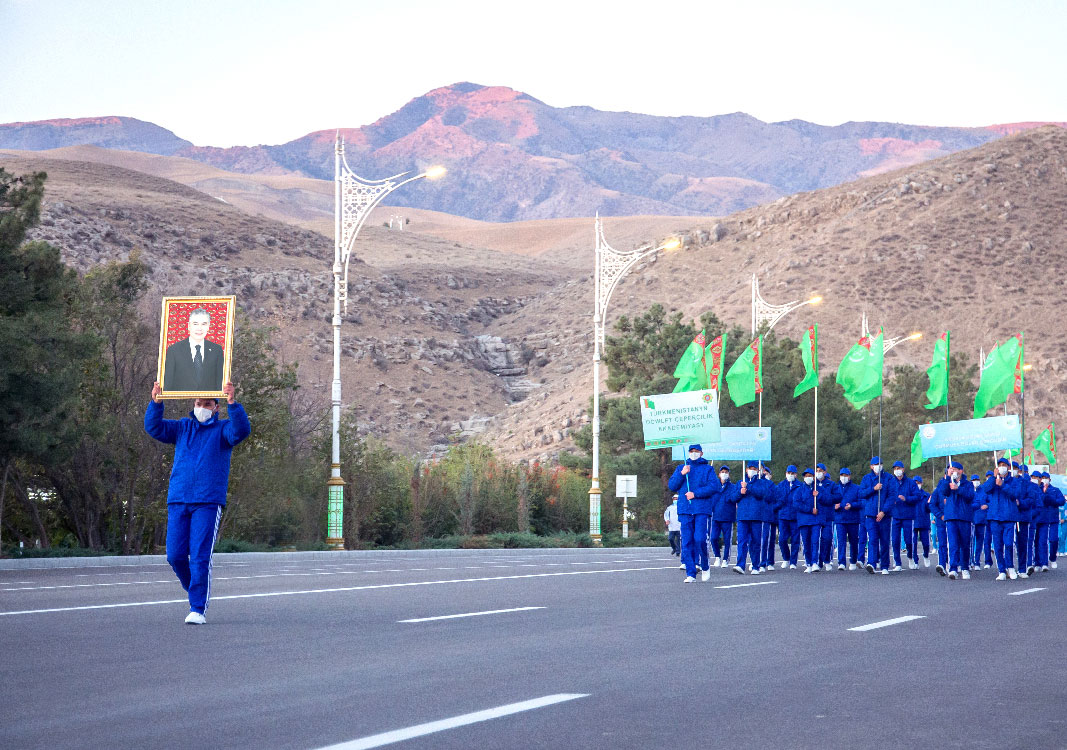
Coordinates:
<point>1002,470</point>
<point>1035,480</point>
<point>1015,472</point>
<point>809,480</point>
<point>845,480</point>
<point>1045,481</point>
<point>877,468</point>
<point>976,484</point>
<point>724,476</point>
<point>694,455</point>
<point>954,477</point>
<point>898,473</point>
<point>791,477</point>
<point>202,414</point>
<point>751,473</point>
<point>820,475</point>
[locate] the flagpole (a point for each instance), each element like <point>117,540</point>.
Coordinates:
<point>880,449</point>
<point>815,507</point>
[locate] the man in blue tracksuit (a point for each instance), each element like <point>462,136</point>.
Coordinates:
<point>751,495</point>
<point>905,497</point>
<point>981,544</point>
<point>806,505</point>
<point>694,483</point>
<point>1028,498</point>
<point>1046,519</point>
<point>724,512</point>
<point>958,494</point>
<point>937,509</point>
<point>921,530</point>
<point>826,493</point>
<point>1002,495</point>
<point>878,515</point>
<point>770,520</point>
<point>199,480</point>
<point>847,514</point>
<point>788,531</point>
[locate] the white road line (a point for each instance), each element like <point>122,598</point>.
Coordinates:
<point>266,594</point>
<point>742,585</point>
<point>1025,591</point>
<point>471,614</point>
<point>886,623</point>
<point>421,730</point>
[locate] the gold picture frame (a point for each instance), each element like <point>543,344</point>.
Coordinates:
<point>186,321</point>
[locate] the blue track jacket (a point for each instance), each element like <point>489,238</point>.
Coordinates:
<point>1052,500</point>
<point>701,482</point>
<point>750,506</point>
<point>847,494</point>
<point>922,509</point>
<point>783,500</point>
<point>804,503</point>
<point>903,510</point>
<point>958,503</point>
<point>201,472</point>
<point>1003,500</point>
<point>725,509</point>
<point>869,495</point>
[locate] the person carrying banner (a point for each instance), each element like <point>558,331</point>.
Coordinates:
<point>847,514</point>
<point>788,531</point>
<point>981,544</point>
<point>958,495</point>
<point>199,479</point>
<point>724,511</point>
<point>905,497</point>
<point>878,514</point>
<point>920,532</point>
<point>750,495</point>
<point>1002,495</point>
<point>693,481</point>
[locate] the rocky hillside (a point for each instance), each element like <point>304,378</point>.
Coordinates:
<point>513,157</point>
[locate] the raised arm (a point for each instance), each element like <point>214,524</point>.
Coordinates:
<point>163,430</point>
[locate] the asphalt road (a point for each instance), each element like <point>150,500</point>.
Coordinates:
<point>306,654</point>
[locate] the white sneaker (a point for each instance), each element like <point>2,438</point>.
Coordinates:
<point>897,568</point>
<point>1012,574</point>
<point>725,563</point>
<point>987,566</point>
<point>852,566</point>
<point>1024,575</point>
<point>869,568</point>
<point>739,570</point>
<point>756,571</point>
<point>715,562</point>
<point>940,569</point>
<point>1030,570</point>
<point>195,618</point>
<point>912,565</point>
<point>926,561</point>
<point>1053,564</point>
<point>807,569</point>
<point>966,575</point>
<point>785,564</point>
<point>840,566</point>
<point>689,579</point>
<point>1044,569</point>
<point>952,575</point>
<point>792,567</point>
<point>1002,577</point>
<point>681,567</point>
<point>705,575</point>
<point>885,572</point>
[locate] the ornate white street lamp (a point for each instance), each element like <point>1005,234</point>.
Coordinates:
<point>611,266</point>
<point>764,312</point>
<point>354,199</point>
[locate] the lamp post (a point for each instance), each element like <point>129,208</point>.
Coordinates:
<point>353,199</point>
<point>611,266</point>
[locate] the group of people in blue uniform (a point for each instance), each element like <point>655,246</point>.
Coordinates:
<point>1012,512</point>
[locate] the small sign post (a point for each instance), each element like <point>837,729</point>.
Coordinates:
<point>625,487</point>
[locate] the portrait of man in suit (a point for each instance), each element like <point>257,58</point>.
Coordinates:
<point>194,363</point>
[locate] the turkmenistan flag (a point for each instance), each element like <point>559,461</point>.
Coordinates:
<point>1001,374</point>
<point>714,357</point>
<point>860,372</point>
<point>937,393</point>
<point>692,369</point>
<point>1046,441</point>
<point>916,451</point>
<point>809,353</point>
<point>745,376</point>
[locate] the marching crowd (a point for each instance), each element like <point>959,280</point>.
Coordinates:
<point>978,522</point>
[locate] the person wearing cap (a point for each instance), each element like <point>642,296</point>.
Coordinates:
<point>674,527</point>
<point>921,530</point>
<point>877,514</point>
<point>847,509</point>
<point>723,515</point>
<point>981,543</point>
<point>1046,519</point>
<point>827,499</point>
<point>1029,499</point>
<point>750,494</point>
<point>958,494</point>
<point>788,530</point>
<point>694,482</point>
<point>937,509</point>
<point>905,496</point>
<point>805,502</point>
<point>770,520</point>
<point>1002,492</point>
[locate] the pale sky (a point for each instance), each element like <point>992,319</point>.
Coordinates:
<point>226,72</point>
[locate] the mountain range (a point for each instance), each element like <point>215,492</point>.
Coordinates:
<point>513,157</point>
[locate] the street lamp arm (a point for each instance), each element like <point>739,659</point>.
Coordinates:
<point>764,312</point>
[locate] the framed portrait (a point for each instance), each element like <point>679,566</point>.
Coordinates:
<point>195,344</point>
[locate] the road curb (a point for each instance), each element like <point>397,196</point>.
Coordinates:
<point>117,561</point>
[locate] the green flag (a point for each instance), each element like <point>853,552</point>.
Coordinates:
<point>809,353</point>
<point>860,372</point>
<point>916,451</point>
<point>1001,376</point>
<point>692,371</point>
<point>937,393</point>
<point>1046,442</point>
<point>745,376</point>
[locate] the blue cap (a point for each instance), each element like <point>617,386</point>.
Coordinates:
<point>1004,461</point>
<point>918,478</point>
<point>753,464</point>
<point>1015,464</point>
<point>725,468</point>
<point>809,471</point>
<point>898,464</point>
<point>875,461</point>
<point>957,465</point>
<point>1023,468</point>
<point>845,470</point>
<point>989,473</point>
<point>821,466</point>
<point>696,447</point>
<point>1046,475</point>
<point>792,468</point>
<point>975,476</point>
